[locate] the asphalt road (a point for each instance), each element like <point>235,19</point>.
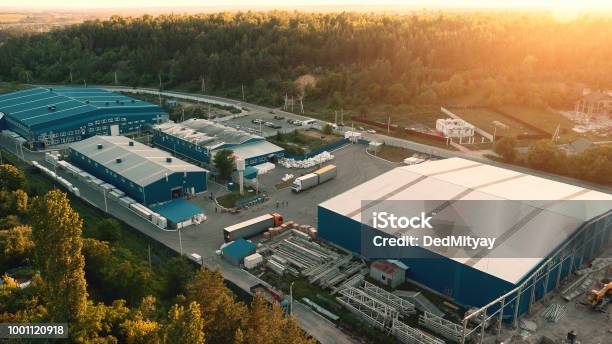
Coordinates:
<point>355,167</point>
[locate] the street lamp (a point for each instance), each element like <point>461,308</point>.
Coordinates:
<point>180,241</point>
<point>291,298</point>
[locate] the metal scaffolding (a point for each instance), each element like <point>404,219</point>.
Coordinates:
<point>404,307</point>
<point>377,313</point>
<point>592,237</point>
<point>443,327</point>
<point>409,335</point>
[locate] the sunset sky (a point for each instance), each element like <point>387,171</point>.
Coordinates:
<point>570,5</point>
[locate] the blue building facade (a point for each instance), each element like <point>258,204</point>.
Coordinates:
<point>472,287</point>
<point>199,140</point>
<point>148,175</point>
<point>52,116</point>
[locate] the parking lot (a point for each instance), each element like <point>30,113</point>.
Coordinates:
<point>271,121</point>
<point>355,166</point>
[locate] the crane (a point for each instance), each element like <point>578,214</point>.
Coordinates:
<point>599,298</point>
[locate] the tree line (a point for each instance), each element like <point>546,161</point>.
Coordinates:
<point>593,164</point>
<point>44,233</point>
<point>358,59</point>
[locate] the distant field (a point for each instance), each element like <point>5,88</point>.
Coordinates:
<point>488,120</point>
<point>544,119</point>
<point>9,18</point>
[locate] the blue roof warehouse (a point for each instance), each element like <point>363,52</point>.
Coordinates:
<point>199,139</point>
<point>148,175</point>
<point>52,116</point>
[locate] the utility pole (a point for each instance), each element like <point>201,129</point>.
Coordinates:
<point>388,125</point>
<point>149,254</point>
<point>180,241</point>
<point>85,83</point>
<point>183,116</point>
<point>160,82</point>
<point>71,75</point>
<point>243,97</point>
<point>301,106</point>
<point>203,87</point>
<point>336,117</point>
<point>116,80</point>
<point>291,103</point>
<point>291,298</point>
<point>342,116</point>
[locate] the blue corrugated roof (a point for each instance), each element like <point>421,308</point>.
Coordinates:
<point>31,107</point>
<point>178,210</point>
<point>239,249</point>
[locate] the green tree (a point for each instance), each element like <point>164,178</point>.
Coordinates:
<point>11,178</point>
<point>16,245</point>
<point>545,156</point>
<point>327,129</point>
<point>56,232</point>
<point>185,326</point>
<point>180,272</point>
<point>21,201</point>
<point>108,229</point>
<point>220,311</point>
<point>506,148</point>
<point>224,162</point>
<point>266,324</point>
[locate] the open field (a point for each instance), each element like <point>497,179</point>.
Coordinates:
<point>544,119</point>
<point>394,154</point>
<point>489,120</point>
<point>303,140</point>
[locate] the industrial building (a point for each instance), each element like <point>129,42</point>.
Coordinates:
<point>554,237</point>
<point>200,139</point>
<point>52,116</point>
<point>148,175</point>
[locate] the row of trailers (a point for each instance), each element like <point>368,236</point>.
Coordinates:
<point>107,189</point>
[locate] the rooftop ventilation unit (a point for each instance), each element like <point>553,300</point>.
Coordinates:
<point>168,159</point>
<point>133,101</point>
<point>100,146</point>
<point>131,143</point>
<point>118,160</point>
<point>87,102</point>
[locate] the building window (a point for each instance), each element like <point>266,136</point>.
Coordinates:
<point>103,121</point>
<point>98,122</point>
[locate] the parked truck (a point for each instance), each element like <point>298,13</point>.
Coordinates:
<point>315,178</point>
<point>252,227</point>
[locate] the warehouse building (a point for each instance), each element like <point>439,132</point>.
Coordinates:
<point>545,229</point>
<point>148,175</point>
<point>200,139</point>
<point>52,116</point>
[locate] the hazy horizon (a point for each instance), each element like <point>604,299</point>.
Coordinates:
<point>343,5</point>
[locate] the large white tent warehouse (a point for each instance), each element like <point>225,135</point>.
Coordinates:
<point>560,222</point>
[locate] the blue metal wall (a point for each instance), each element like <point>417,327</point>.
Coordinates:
<point>174,144</point>
<point>178,146</point>
<point>465,284</point>
<point>156,192</point>
<point>469,286</point>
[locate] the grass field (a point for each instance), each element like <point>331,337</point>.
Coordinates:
<point>394,154</point>
<point>489,120</point>
<point>543,119</point>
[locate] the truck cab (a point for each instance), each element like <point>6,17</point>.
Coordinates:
<point>297,185</point>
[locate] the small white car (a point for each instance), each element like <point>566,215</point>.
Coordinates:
<point>371,131</point>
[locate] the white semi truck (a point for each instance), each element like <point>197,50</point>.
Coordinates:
<point>315,178</point>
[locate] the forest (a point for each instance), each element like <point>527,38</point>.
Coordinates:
<point>60,267</point>
<point>357,59</point>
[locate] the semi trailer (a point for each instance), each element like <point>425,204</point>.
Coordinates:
<point>315,178</point>
<point>252,227</point>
